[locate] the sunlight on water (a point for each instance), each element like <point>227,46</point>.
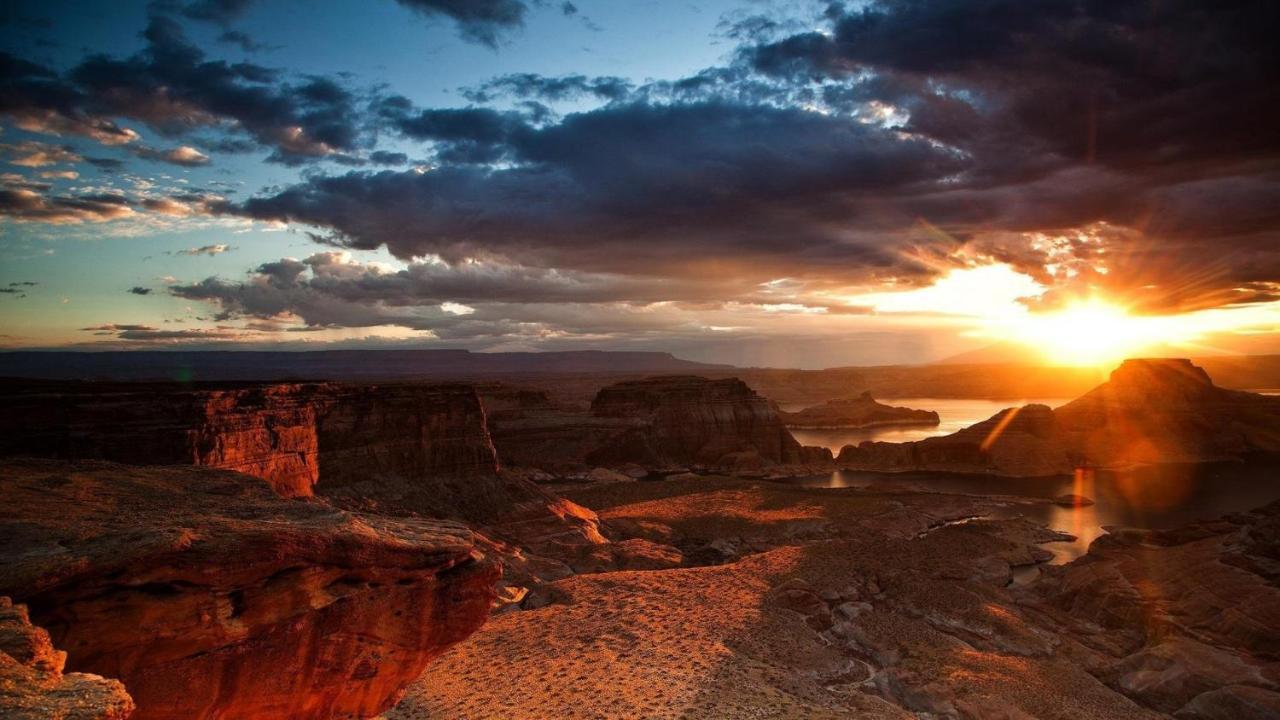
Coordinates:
<point>1158,497</point>
<point>954,415</point>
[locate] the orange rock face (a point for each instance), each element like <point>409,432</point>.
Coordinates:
<point>1150,411</point>
<point>210,596</point>
<point>268,431</point>
<point>33,686</point>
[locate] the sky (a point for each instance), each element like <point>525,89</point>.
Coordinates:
<point>792,184</point>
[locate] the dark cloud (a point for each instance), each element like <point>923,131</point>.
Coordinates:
<point>384,157</point>
<point>479,21</point>
<point>35,98</point>
<point>635,188</point>
<point>172,87</point>
<point>106,164</point>
<point>243,41</point>
<point>146,333</point>
<point>550,89</point>
<point>31,206</point>
<point>139,290</point>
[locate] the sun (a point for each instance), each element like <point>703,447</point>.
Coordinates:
<point>1092,332</point>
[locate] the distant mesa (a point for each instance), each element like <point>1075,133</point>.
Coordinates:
<point>1151,411</point>
<point>673,421</point>
<point>222,365</point>
<point>860,412</point>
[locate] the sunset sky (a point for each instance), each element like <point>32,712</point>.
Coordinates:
<point>765,183</point>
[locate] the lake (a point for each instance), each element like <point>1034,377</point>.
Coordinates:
<point>954,415</point>
<point>1157,497</point>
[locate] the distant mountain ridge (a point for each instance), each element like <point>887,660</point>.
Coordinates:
<point>223,365</point>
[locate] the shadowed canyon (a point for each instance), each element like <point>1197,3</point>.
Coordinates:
<point>498,548</point>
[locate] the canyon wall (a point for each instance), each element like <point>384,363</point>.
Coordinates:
<point>1150,411</point>
<point>211,596</point>
<point>268,431</point>
<point>33,685</point>
<point>397,449</point>
<point>658,422</point>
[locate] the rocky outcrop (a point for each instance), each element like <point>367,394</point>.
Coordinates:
<point>1182,621</point>
<point>1017,441</point>
<point>655,423</point>
<point>409,449</point>
<point>686,419</point>
<point>208,595</point>
<point>268,431</point>
<point>860,412</point>
<point>1150,411</point>
<point>33,686</point>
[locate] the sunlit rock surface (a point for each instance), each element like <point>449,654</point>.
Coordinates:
<point>791,602</point>
<point>860,412</point>
<point>1150,411</point>
<point>1185,621</point>
<point>268,431</point>
<point>208,595</point>
<point>33,685</point>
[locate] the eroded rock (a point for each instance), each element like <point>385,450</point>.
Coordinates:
<point>33,686</point>
<point>210,596</point>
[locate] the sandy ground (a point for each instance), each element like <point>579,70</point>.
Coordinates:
<point>914,618</point>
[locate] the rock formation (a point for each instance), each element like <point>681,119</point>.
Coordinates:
<point>1181,621</point>
<point>268,431</point>
<point>208,595</point>
<point>1150,411</point>
<point>659,422</point>
<point>33,686</point>
<point>860,412</point>
<point>401,448</point>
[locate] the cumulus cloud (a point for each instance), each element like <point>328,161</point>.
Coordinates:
<point>185,155</point>
<point>173,88</point>
<point>35,154</point>
<point>479,21</point>
<point>30,206</point>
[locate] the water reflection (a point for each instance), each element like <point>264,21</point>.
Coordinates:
<point>953,414</point>
<point>1156,497</point>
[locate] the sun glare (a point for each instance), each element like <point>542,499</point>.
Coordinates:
<point>1092,332</point>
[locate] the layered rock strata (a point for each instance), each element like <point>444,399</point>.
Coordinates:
<point>397,448</point>
<point>33,686</point>
<point>1181,621</point>
<point>210,596</point>
<point>1150,411</point>
<point>268,431</point>
<point>659,422</point>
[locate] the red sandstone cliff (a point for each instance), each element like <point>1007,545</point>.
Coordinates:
<point>210,596</point>
<point>687,419</point>
<point>268,431</point>
<point>33,686</point>
<point>1150,411</point>
<point>400,448</point>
